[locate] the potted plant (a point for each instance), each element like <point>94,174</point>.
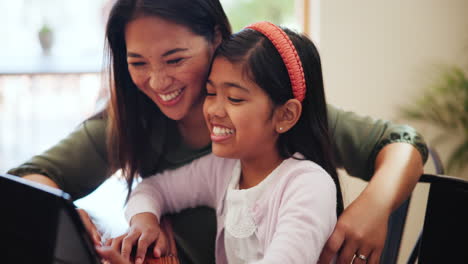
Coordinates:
<point>46,38</point>
<point>445,105</point>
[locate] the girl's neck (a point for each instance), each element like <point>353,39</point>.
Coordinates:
<point>255,170</point>
<point>193,128</point>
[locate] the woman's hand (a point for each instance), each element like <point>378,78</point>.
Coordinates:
<point>90,227</point>
<point>144,230</point>
<point>360,230</point>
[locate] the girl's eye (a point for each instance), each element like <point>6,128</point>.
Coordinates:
<point>234,100</point>
<point>175,61</point>
<point>210,94</point>
<point>136,64</point>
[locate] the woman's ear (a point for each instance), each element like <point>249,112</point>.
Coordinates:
<point>287,115</point>
<point>218,37</point>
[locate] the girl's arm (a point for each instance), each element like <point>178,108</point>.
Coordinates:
<point>189,186</point>
<point>171,191</point>
<point>306,219</point>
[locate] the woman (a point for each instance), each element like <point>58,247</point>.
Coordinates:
<point>160,54</point>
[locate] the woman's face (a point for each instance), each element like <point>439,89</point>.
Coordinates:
<point>168,62</point>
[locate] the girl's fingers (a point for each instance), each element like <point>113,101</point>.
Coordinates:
<point>111,256</point>
<point>116,243</point>
<point>128,242</point>
<point>143,244</point>
<point>108,242</point>
<point>160,249</point>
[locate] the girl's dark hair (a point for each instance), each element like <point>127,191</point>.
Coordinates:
<point>134,120</point>
<point>263,65</point>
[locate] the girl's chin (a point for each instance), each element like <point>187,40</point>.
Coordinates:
<point>221,152</point>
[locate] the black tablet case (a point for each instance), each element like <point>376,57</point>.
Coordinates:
<point>39,224</point>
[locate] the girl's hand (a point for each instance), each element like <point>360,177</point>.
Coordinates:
<point>144,230</point>
<point>90,227</point>
<point>361,230</point>
<point>111,256</point>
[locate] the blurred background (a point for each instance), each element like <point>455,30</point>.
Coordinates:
<point>404,61</point>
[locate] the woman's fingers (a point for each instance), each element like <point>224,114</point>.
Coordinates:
<point>332,246</point>
<point>90,227</point>
<point>362,256</point>
<point>347,252</point>
<point>374,257</point>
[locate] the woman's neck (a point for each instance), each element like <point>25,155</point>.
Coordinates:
<point>255,170</point>
<point>193,128</point>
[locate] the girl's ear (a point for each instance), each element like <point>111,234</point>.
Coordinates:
<point>287,115</point>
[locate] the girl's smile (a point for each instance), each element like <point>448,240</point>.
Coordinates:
<point>221,133</point>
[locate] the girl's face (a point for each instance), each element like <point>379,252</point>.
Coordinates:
<point>168,62</point>
<point>239,114</point>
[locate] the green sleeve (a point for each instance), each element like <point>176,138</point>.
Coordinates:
<point>78,163</point>
<point>357,140</point>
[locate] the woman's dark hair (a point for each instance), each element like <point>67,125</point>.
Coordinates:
<point>134,119</point>
<point>263,65</point>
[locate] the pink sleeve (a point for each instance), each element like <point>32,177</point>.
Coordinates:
<point>306,219</point>
<point>173,190</point>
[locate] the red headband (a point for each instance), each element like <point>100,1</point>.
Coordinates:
<point>287,52</point>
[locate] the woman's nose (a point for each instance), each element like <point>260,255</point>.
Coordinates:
<point>160,80</point>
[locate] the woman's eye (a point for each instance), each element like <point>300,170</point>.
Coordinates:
<point>175,61</point>
<point>234,100</point>
<point>136,64</point>
<point>210,94</point>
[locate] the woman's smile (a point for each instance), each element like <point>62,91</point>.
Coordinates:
<point>170,98</point>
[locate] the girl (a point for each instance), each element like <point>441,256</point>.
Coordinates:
<point>272,182</point>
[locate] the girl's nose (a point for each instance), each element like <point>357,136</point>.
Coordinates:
<point>215,107</point>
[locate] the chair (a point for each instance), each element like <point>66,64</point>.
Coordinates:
<point>443,238</point>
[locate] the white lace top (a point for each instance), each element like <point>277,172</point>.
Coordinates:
<point>240,238</point>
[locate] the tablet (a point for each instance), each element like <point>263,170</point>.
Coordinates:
<point>39,224</point>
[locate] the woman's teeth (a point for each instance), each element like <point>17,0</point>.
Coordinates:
<point>170,96</point>
<point>221,131</point>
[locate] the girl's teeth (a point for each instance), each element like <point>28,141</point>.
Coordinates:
<point>221,131</point>
<point>168,97</point>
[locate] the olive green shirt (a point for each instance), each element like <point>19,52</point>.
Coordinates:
<point>79,164</point>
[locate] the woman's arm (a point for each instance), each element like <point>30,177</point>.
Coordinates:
<point>391,158</point>
<point>77,164</point>
<point>362,228</point>
<point>357,140</point>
